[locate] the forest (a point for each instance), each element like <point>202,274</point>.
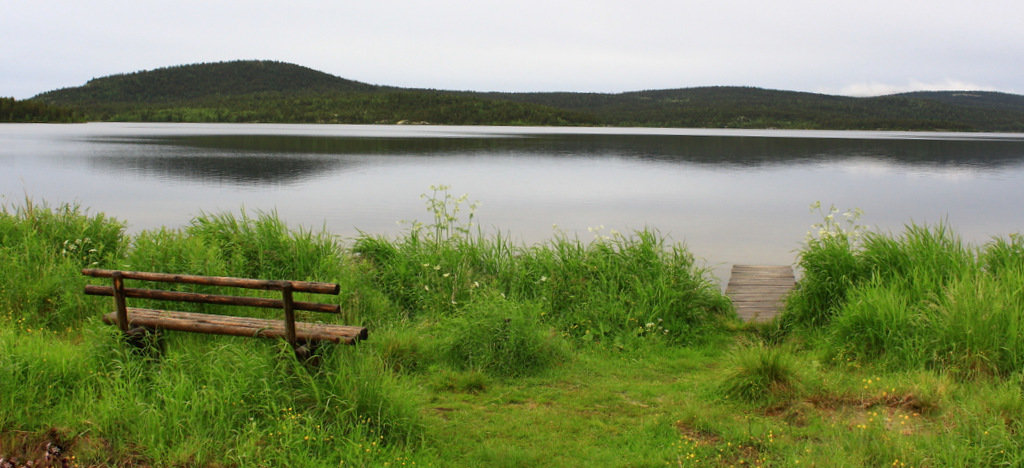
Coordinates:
<point>13,110</point>
<point>264,91</point>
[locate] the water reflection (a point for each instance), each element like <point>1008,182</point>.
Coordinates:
<point>282,159</point>
<point>240,169</point>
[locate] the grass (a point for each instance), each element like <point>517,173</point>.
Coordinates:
<point>918,299</point>
<point>897,350</point>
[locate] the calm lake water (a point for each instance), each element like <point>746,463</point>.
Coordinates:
<point>732,196</point>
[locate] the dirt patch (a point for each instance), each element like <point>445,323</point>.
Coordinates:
<point>907,402</point>
<point>724,453</point>
<point>699,436</point>
<point>23,449</point>
<point>745,455</point>
<point>54,448</point>
<point>896,413</point>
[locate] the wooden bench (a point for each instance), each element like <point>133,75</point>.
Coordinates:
<point>303,336</point>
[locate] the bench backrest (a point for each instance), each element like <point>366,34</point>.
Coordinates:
<point>119,292</point>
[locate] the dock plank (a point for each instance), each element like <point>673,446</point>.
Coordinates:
<point>759,291</point>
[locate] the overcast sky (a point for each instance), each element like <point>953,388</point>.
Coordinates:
<point>850,47</point>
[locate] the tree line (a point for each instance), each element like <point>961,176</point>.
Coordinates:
<point>13,110</point>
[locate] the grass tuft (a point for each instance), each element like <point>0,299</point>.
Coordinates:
<point>762,375</point>
<point>500,338</point>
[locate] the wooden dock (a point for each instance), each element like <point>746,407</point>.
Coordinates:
<point>758,291</point>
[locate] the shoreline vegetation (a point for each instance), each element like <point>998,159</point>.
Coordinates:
<point>894,350</point>
<point>276,92</point>
<point>15,111</point>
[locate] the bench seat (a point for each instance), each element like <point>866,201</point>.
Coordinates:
<point>237,326</point>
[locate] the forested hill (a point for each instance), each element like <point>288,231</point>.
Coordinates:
<point>209,79</point>
<point>263,91</point>
<point>744,107</point>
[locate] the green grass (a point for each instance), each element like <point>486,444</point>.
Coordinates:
<point>897,350</point>
<point>919,299</point>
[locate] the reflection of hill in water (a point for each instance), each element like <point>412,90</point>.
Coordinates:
<point>280,159</point>
<point>729,150</point>
<point>243,169</point>
<point>755,151</point>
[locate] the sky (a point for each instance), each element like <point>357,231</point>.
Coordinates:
<point>849,47</point>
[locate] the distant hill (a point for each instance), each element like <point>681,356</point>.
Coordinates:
<point>744,107</point>
<point>185,82</point>
<point>979,99</point>
<point>264,91</point>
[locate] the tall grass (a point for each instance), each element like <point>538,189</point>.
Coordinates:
<point>211,402</point>
<point>614,289</point>
<point>266,247</point>
<point>976,325</point>
<point>499,337</point>
<point>42,250</point>
<point>920,298</point>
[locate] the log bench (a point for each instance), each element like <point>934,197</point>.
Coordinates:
<point>302,336</point>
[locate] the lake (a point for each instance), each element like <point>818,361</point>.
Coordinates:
<point>732,196</point>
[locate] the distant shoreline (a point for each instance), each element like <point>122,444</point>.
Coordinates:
<point>275,92</point>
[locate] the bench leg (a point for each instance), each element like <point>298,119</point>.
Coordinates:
<point>307,352</point>
<point>145,339</point>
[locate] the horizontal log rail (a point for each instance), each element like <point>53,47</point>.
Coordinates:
<point>274,285</point>
<point>238,326</point>
<point>158,294</point>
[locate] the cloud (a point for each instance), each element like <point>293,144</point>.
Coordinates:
<point>882,89</point>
